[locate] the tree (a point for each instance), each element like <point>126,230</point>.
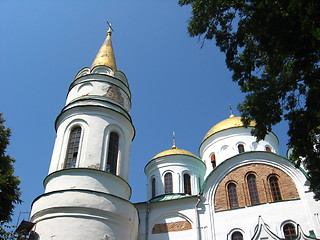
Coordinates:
<point>273,50</point>
<point>9,183</point>
<point>6,231</point>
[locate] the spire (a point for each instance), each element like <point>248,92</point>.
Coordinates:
<point>105,55</point>
<point>231,112</point>
<point>174,140</point>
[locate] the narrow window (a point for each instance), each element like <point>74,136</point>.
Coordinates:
<point>168,186</point>
<point>275,190</point>
<point>289,231</point>
<point>113,153</point>
<point>73,148</point>
<point>153,187</point>
<point>187,183</point>
<point>253,191</point>
<point>240,148</point>
<point>213,160</point>
<point>236,236</point>
<point>232,193</point>
<point>268,149</point>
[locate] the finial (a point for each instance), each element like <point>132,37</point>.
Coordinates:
<point>110,30</point>
<point>231,113</point>
<point>174,140</point>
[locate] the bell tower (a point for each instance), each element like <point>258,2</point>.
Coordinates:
<point>86,191</point>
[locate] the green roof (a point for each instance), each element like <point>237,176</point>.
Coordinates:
<point>168,197</point>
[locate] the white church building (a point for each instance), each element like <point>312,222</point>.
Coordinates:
<point>236,189</point>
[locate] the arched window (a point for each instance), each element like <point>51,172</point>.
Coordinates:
<point>253,191</point>
<point>232,193</point>
<point>153,187</point>
<point>187,183</point>
<point>73,148</point>
<point>213,160</point>
<point>289,231</point>
<point>113,153</point>
<point>268,149</point>
<point>168,186</point>
<point>275,190</point>
<point>240,148</point>
<point>236,236</point>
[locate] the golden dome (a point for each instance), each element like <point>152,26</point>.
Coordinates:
<point>174,151</point>
<point>231,122</point>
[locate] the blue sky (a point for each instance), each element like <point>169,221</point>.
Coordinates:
<point>176,85</point>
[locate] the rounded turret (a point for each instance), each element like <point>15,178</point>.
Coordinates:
<point>174,171</point>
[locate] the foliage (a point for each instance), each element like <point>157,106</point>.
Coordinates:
<point>273,50</point>
<point>9,190</point>
<point>6,231</point>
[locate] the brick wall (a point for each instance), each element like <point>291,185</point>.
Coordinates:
<point>171,227</point>
<point>262,172</point>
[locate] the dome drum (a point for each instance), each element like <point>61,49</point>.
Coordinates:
<point>229,138</point>
<point>184,168</point>
<point>103,88</point>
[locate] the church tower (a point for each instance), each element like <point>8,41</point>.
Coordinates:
<point>86,191</point>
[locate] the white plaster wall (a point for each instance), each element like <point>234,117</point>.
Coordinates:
<point>96,127</point>
<point>89,179</point>
<point>224,145</point>
<point>168,212</point>
<point>313,207</point>
<point>273,214</point>
<point>84,215</point>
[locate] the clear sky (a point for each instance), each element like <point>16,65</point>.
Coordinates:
<point>176,85</point>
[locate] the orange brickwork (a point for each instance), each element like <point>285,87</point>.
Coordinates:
<point>171,227</point>
<point>262,172</point>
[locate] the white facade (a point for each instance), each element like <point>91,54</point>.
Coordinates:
<point>265,220</point>
<point>237,189</point>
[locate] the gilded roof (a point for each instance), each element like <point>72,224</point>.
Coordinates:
<point>105,56</point>
<point>231,122</point>
<point>174,151</point>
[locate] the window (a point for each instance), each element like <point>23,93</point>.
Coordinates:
<point>268,149</point>
<point>73,148</point>
<point>187,183</point>
<point>240,148</point>
<point>253,191</point>
<point>236,236</point>
<point>168,186</point>
<point>232,193</point>
<point>153,187</point>
<point>275,190</point>
<point>213,160</point>
<point>289,231</point>
<point>113,153</point>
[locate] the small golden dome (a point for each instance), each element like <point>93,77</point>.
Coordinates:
<point>174,151</point>
<point>231,122</point>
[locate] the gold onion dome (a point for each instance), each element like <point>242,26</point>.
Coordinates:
<point>231,122</point>
<point>174,151</point>
<point>105,56</point>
